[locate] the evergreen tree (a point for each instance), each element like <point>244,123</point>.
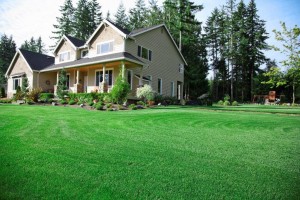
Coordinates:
<point>120,17</point>
<point>138,15</point>
<point>34,45</point>
<point>62,84</point>
<point>25,85</point>
<point>65,23</point>
<point>7,52</point>
<point>154,13</point>
<point>96,14</point>
<point>83,20</point>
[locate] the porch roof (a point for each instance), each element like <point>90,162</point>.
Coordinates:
<point>95,60</point>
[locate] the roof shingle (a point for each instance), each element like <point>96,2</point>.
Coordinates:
<point>37,61</point>
<point>77,42</point>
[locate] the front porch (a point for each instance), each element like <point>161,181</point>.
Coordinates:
<point>101,77</point>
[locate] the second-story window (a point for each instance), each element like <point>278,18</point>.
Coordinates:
<point>105,47</point>
<point>144,53</point>
<point>65,56</point>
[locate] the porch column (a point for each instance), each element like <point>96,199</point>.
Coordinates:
<point>57,77</point>
<point>77,77</point>
<point>141,78</point>
<point>103,85</point>
<point>123,69</point>
<point>103,75</point>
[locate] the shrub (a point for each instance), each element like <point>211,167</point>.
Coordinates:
<point>132,107</point>
<point>226,103</point>
<point>90,103</point>
<point>46,97</point>
<point>5,100</point>
<point>141,103</point>
<point>61,87</point>
<point>72,102</point>
<point>120,90</point>
<point>63,101</point>
<point>29,102</point>
<point>2,93</point>
<point>226,97</point>
<point>109,109</point>
<point>34,94</point>
<point>109,105</point>
<point>158,98</point>
<point>98,106</point>
<point>146,92</point>
<point>220,102</point>
<point>235,103</point>
<point>107,98</point>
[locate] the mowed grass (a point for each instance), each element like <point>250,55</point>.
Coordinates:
<point>167,153</point>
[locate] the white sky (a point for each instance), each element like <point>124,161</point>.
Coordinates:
<point>26,18</point>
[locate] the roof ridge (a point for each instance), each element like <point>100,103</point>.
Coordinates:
<point>42,54</point>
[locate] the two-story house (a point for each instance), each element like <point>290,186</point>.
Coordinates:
<point>144,56</point>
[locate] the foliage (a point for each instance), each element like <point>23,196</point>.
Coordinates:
<point>275,78</point>
<point>132,107</point>
<point>146,92</point>
<point>226,103</point>
<point>2,92</point>
<point>5,100</point>
<point>291,47</point>
<point>63,101</point>
<point>226,97</point>
<point>25,85</point>
<point>138,15</point>
<point>33,94</point>
<point>120,90</point>
<point>19,94</point>
<point>46,97</point>
<point>34,45</point>
<point>235,103</point>
<point>72,102</point>
<point>121,17</point>
<point>98,105</point>
<point>220,102</point>
<point>109,105</point>
<point>7,52</point>
<point>62,84</point>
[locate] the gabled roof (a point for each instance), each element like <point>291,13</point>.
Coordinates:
<point>95,60</point>
<point>145,30</point>
<point>35,61</point>
<point>123,32</point>
<point>75,42</point>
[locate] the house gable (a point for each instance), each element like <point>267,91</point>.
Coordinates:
<point>65,47</point>
<point>18,66</point>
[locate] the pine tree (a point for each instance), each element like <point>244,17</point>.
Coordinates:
<point>154,14</point>
<point>138,15</point>
<point>34,45</point>
<point>120,17</point>
<point>96,14</point>
<point>7,52</point>
<point>62,86</point>
<point>65,23</point>
<point>83,20</point>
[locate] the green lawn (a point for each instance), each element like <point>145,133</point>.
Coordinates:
<point>166,153</point>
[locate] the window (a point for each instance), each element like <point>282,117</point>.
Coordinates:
<point>144,53</point>
<point>108,77</point>
<point>65,56</point>
<point>84,53</point>
<point>159,86</point>
<point>172,89</point>
<point>181,68</point>
<point>16,83</point>
<point>105,47</point>
<point>129,78</point>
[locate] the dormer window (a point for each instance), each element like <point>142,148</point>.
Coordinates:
<point>65,56</point>
<point>84,53</point>
<point>105,47</point>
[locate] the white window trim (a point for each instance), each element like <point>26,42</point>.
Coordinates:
<point>161,83</point>
<point>181,68</point>
<point>63,53</point>
<point>86,55</point>
<point>101,70</point>
<point>173,89</point>
<point>20,83</point>
<point>148,50</point>
<point>100,43</point>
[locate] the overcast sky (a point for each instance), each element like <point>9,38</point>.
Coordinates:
<point>26,18</point>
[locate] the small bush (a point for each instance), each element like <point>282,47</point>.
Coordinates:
<point>226,103</point>
<point>107,98</point>
<point>98,106</point>
<point>109,105</point>
<point>46,97</point>
<point>132,107</point>
<point>146,92</point>
<point>34,94</point>
<point>80,102</point>
<point>226,97</point>
<point>141,103</point>
<point>72,102</point>
<point>90,103</point>
<point>5,100</point>
<point>235,103</point>
<point>109,109</point>
<point>120,90</point>
<point>63,102</point>
<point>29,102</point>
<point>220,102</point>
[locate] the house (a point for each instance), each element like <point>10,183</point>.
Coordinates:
<point>143,56</point>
